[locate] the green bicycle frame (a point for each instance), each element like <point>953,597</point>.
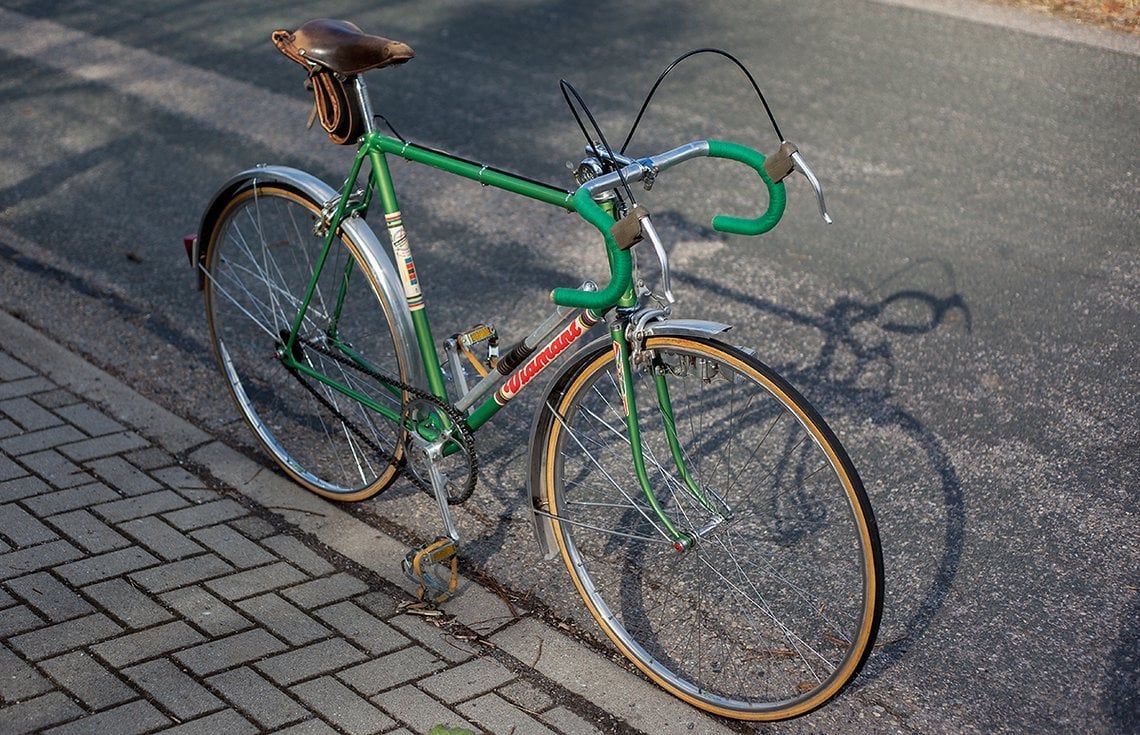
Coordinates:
<point>373,149</point>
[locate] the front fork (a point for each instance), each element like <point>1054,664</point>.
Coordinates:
<point>623,347</point>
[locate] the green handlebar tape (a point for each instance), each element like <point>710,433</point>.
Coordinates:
<point>621,263</point>
<point>777,197</point>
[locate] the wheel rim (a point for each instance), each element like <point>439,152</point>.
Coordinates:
<point>258,268</point>
<point>732,624</point>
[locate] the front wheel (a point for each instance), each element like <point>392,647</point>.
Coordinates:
<point>772,605</point>
<point>263,267</point>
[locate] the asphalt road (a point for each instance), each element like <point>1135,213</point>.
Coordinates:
<point>968,325</point>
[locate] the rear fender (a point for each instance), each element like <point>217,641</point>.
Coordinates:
<point>387,281</point>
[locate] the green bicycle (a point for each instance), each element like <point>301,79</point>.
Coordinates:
<point>709,518</point>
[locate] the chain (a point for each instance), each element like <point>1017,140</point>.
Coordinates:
<point>465,438</point>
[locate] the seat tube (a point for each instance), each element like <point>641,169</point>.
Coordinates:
<point>402,255</point>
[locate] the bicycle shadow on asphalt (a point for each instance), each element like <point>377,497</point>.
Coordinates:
<point>882,436</point>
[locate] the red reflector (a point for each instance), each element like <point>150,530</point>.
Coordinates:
<point>188,242</point>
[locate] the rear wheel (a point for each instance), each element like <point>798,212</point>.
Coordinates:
<point>774,605</point>
<point>260,258</point>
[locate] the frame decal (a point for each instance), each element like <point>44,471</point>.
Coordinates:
<point>548,354</point>
<point>404,262</point>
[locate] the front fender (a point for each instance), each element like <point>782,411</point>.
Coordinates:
<point>544,417</point>
<point>387,281</point>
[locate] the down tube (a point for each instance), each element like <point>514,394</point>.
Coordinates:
<point>530,369</point>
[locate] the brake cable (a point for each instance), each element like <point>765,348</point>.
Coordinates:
<point>677,61</point>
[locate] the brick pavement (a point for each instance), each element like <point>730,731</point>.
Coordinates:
<point>139,594</point>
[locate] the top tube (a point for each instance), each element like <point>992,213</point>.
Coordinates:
<point>484,174</point>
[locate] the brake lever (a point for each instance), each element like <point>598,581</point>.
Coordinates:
<point>631,229</point>
<point>799,164</point>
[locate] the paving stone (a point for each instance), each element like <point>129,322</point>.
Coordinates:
<point>88,531</point>
<point>103,446</point>
<point>392,670</point>
<point>126,719</point>
<point>18,680</point>
<point>207,514</point>
<point>8,467</point>
<point>292,549</point>
<point>203,610</point>
<point>18,619</point>
<point>283,619</point>
<point>55,468</point>
<point>29,414</point>
<point>311,660</point>
<point>226,721</point>
<point>431,637</point>
<point>173,690</point>
<point>6,599</point>
<point>12,369</point>
<point>181,573</point>
<point>105,566</point>
<point>128,605</point>
<point>149,458</point>
<point>232,546</point>
<point>50,503</point>
<point>125,509</point>
<point>33,715</point>
<point>22,561</point>
<point>61,637</point>
<point>54,600</point>
<point>380,604</point>
<point>186,484</point>
<point>569,722</point>
<point>21,528</point>
<point>343,707</point>
<point>88,680</point>
<point>420,711</point>
<point>468,680</point>
<point>526,695</point>
<point>161,538</point>
<point>314,727</point>
<point>257,529</point>
<point>124,476</point>
<point>9,428</point>
<point>255,581</point>
<point>339,586</point>
<point>89,419</point>
<point>37,441</point>
<point>133,647</point>
<point>362,628</point>
<point>495,714</point>
<point>57,398</point>
<point>25,387</point>
<point>228,652</point>
<point>257,698</point>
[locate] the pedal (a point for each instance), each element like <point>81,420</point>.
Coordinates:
<point>434,567</point>
<point>480,333</point>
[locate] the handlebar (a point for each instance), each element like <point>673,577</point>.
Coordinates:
<point>647,169</point>
<point>777,197</point>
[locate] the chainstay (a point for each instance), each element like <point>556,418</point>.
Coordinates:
<point>458,420</point>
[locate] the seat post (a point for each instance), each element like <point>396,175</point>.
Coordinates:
<point>361,91</point>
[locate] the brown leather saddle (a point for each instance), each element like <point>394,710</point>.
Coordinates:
<point>334,52</point>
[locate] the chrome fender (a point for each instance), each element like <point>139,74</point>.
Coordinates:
<point>544,416</point>
<point>384,278</point>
